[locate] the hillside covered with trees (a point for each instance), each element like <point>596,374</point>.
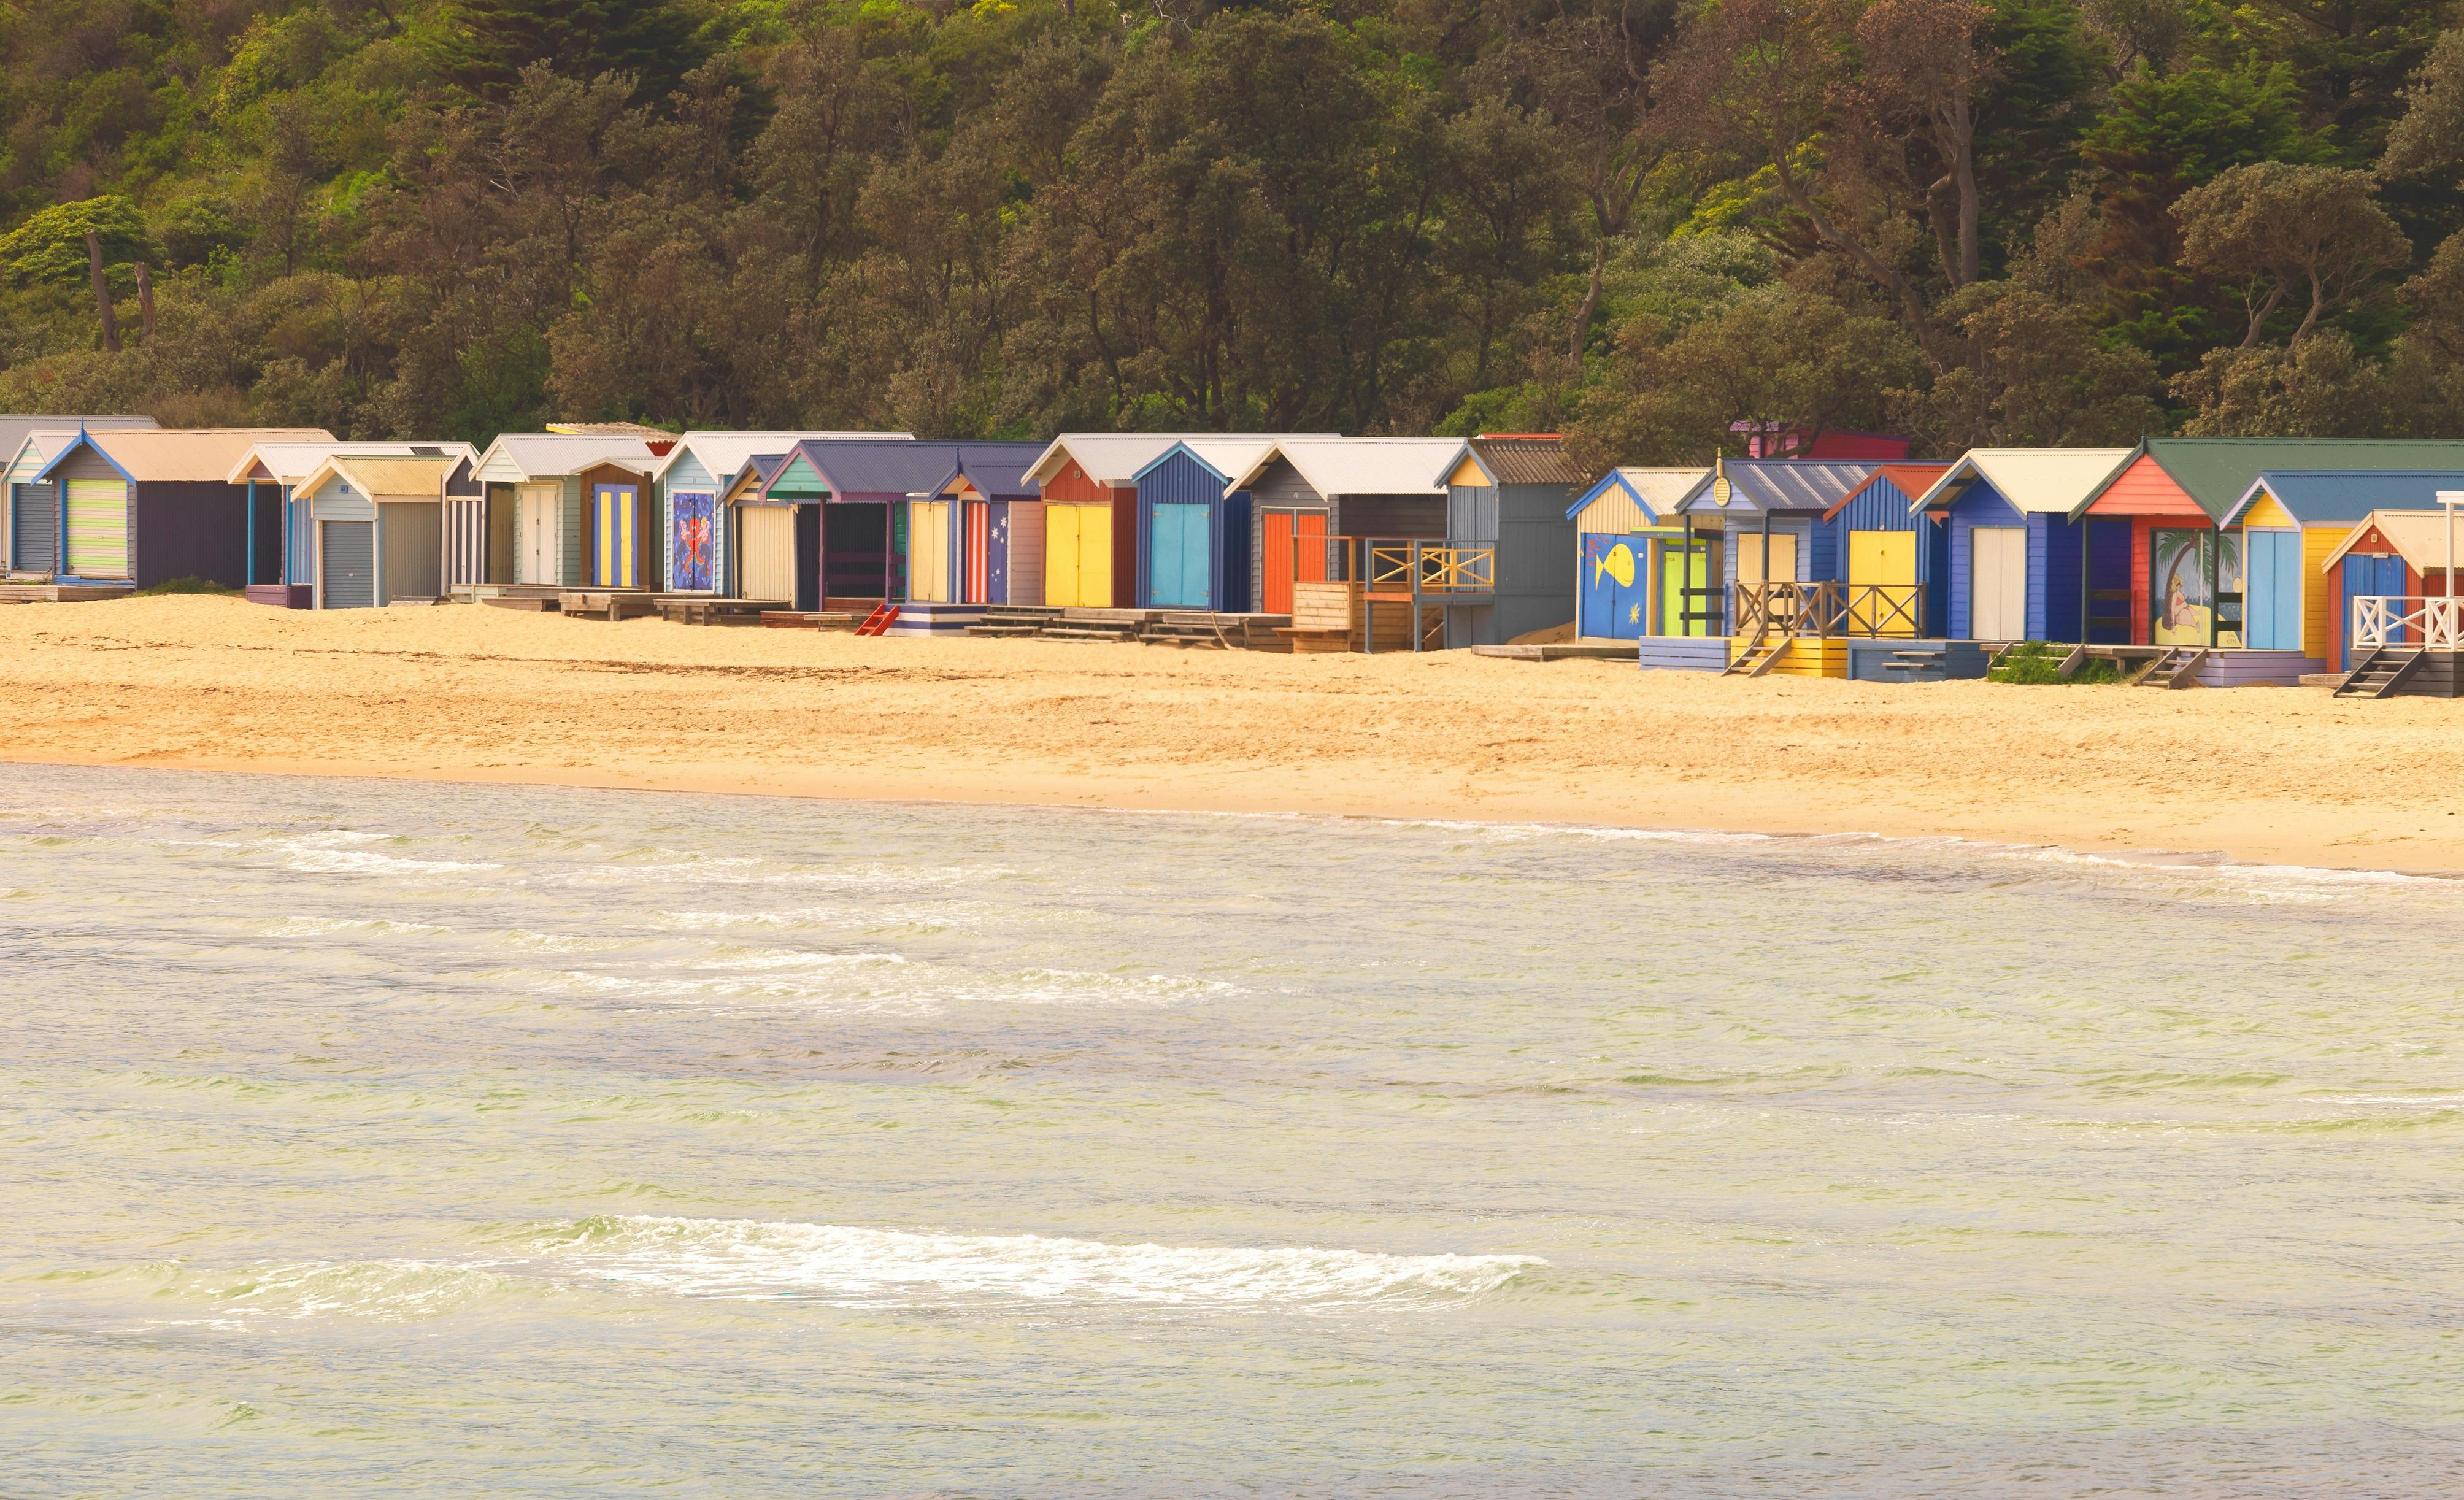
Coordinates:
<point>1977,221</point>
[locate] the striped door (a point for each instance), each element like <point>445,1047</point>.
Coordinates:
<point>696,535</point>
<point>348,571</point>
<point>617,519</point>
<point>98,528</point>
<point>977,587</point>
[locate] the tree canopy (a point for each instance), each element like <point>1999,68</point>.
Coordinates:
<point>1639,221</point>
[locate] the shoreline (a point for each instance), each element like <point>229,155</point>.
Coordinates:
<point>2286,777</point>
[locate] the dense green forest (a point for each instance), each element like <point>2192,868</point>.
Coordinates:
<point>1975,221</point>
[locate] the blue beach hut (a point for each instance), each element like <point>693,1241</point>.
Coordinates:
<point>2293,522</point>
<point>1195,525</point>
<point>2010,547</point>
<point>1638,570</point>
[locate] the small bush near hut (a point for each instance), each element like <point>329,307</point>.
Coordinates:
<point>190,583</point>
<point>2037,663</point>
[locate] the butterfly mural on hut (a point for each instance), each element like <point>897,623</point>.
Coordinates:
<point>694,528</point>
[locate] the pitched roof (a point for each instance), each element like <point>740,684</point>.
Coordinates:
<point>554,455</point>
<point>2216,471</point>
<point>1225,456</point>
<point>725,454</point>
<point>1527,458</point>
<point>16,429</point>
<point>1119,457</point>
<point>995,476</point>
<point>289,463</point>
<point>888,469</point>
<point>2035,480</point>
<point>386,476</point>
<point>1910,479</point>
<point>2344,495</point>
<point>1333,465</point>
<point>1656,491</point>
<point>2418,536</point>
<point>1756,485</point>
<point>182,455</point>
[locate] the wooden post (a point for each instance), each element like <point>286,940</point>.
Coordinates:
<point>101,293</point>
<point>2216,604</point>
<point>248,567</point>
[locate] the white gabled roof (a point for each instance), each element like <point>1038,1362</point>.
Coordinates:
<point>517,456</point>
<point>2036,480</point>
<point>289,463</point>
<point>725,452</point>
<point>1117,457</point>
<point>1336,466</point>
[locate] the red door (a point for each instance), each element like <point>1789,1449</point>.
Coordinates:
<point>976,587</point>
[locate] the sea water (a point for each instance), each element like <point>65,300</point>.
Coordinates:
<point>492,1141</point>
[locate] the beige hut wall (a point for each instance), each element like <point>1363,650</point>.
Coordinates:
<point>765,552</point>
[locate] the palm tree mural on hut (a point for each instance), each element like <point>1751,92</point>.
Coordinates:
<point>2189,572</point>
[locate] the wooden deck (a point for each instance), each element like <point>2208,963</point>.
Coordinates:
<point>706,609</point>
<point>608,604</point>
<point>34,593</point>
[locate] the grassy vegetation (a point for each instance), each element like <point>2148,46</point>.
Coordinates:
<point>2039,663</point>
<point>191,583</point>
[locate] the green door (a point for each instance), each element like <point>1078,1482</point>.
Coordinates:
<point>1679,571</point>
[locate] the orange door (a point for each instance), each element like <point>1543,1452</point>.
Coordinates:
<point>1276,531</point>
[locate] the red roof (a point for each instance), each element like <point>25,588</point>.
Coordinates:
<point>1913,479</point>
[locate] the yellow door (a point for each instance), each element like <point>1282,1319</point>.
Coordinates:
<point>928,552</point>
<point>1060,555</point>
<point>1882,581</point>
<point>1096,555</point>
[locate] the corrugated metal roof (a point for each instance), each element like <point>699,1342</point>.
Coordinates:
<point>995,476</point>
<point>1756,485</point>
<point>725,454</point>
<point>1654,492</point>
<point>387,477</point>
<point>1528,460</point>
<point>2216,471</point>
<point>2341,495</point>
<point>2418,536</point>
<point>290,463</point>
<point>39,449</point>
<point>1119,457</point>
<point>2035,480</point>
<point>16,429</point>
<point>1910,479</point>
<point>174,455</point>
<point>1335,466</point>
<point>891,469</point>
<point>517,456</point>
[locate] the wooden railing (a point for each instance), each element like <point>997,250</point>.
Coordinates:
<point>1873,611</point>
<point>2435,624</point>
<point>1411,565</point>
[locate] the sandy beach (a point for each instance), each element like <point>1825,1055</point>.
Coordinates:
<point>2285,776</point>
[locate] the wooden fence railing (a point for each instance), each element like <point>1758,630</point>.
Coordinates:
<point>1878,611</point>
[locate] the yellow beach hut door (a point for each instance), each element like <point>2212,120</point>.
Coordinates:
<point>1680,571</point>
<point>1882,580</point>
<point>98,528</point>
<point>928,552</point>
<point>1078,555</point>
<point>616,509</point>
<point>1998,580</point>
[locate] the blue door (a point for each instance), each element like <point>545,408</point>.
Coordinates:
<point>1616,587</point>
<point>696,529</point>
<point>2272,607</point>
<point>2365,576</point>
<point>1178,557</point>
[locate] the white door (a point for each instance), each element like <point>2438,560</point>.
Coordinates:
<point>1997,609</point>
<point>535,516</point>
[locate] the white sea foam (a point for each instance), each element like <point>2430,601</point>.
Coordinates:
<point>854,1266</point>
<point>384,1290</point>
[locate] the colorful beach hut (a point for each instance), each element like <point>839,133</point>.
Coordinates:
<point>2162,567</point>
<point>560,510</point>
<point>1331,488</point>
<point>851,519</point>
<point>282,535</point>
<point>30,510</point>
<point>1891,555</point>
<point>1095,548</point>
<point>960,539</point>
<point>690,478</point>
<point>1507,565</point>
<point>2294,524</point>
<point>1196,522</point>
<point>2010,551</point>
<point>377,528</point>
<point>139,506</point>
<point>1638,570</point>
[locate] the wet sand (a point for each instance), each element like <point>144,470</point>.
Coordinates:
<point>2285,776</point>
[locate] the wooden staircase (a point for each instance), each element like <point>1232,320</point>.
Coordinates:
<point>2381,673</point>
<point>1757,658</point>
<point>1013,620</point>
<point>882,618</point>
<point>1209,631</point>
<point>2177,668</point>
<point>1923,664</point>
